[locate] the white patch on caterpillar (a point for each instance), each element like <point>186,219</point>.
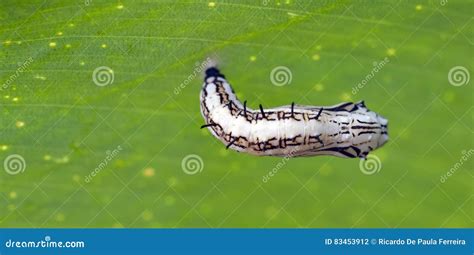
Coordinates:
<point>346,130</point>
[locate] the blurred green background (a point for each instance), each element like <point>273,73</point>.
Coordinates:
<point>64,126</point>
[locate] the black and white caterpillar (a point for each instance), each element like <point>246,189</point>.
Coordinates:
<point>346,130</point>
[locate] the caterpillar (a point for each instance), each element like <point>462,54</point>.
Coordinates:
<point>347,130</point>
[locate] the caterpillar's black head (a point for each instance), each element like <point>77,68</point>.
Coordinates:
<point>213,72</point>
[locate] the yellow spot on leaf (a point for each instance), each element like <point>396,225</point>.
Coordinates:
<point>120,6</point>
<point>40,77</point>
<point>47,157</point>
<point>15,99</point>
<point>20,124</point>
<point>12,195</point>
<point>346,97</point>
<point>391,52</point>
<point>253,58</point>
<point>59,33</point>
<point>103,45</point>
<point>292,14</point>
<point>149,172</point>
<point>63,160</point>
<point>318,87</point>
<point>68,46</point>
<point>211,4</point>
<point>117,225</point>
<point>52,44</point>
<point>419,7</point>
<point>3,147</point>
<point>316,57</point>
<point>147,215</point>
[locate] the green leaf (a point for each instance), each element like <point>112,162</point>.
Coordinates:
<point>100,107</point>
